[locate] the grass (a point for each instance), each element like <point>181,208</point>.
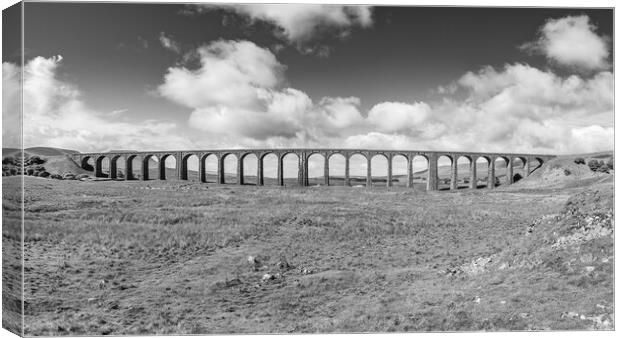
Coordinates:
<point>114,257</point>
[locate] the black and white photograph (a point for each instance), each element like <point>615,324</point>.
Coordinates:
<point>222,168</point>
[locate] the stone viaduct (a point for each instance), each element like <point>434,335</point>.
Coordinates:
<point>181,157</point>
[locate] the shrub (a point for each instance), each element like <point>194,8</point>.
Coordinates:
<point>580,160</point>
<point>604,168</point>
<point>44,174</point>
<point>36,173</point>
<point>36,160</point>
<point>610,163</point>
<point>56,176</point>
<point>13,171</point>
<point>38,168</point>
<point>594,165</point>
<point>566,172</point>
<point>29,171</point>
<point>9,160</point>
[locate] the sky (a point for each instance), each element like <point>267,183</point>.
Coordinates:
<point>106,76</point>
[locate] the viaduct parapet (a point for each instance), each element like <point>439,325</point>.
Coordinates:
<point>158,159</point>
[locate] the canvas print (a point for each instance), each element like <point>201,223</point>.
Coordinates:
<point>227,168</point>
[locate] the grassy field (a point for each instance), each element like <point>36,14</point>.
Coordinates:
<point>115,257</point>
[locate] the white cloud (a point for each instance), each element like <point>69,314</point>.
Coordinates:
<point>518,108</point>
<point>300,23</point>
<point>231,73</point>
<point>55,115</point>
<point>238,90</point>
<point>340,112</point>
<point>398,116</point>
<point>572,41</point>
<point>168,43</point>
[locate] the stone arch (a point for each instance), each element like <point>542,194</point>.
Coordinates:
<point>445,165</point>
<point>317,168</point>
<point>101,162</point>
<point>534,166</point>
<point>503,170</point>
<point>483,167</point>
<point>115,172</point>
<point>287,164</point>
<point>207,167</point>
<point>249,163</point>
<point>465,167</point>
<point>380,170</point>
<point>358,168</point>
<point>189,161</point>
<point>130,167</point>
<point>146,160</point>
<point>337,163</point>
<point>232,167</point>
<point>269,168</point>
<point>519,168</point>
<point>87,163</point>
<point>400,169</point>
<point>420,170</point>
<point>162,164</point>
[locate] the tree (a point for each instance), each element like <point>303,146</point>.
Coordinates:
<point>580,160</point>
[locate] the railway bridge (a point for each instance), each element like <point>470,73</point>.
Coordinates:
<point>146,159</point>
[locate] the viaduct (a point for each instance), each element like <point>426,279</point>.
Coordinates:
<point>181,157</point>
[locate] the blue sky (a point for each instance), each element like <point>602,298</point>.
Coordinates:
<point>172,76</point>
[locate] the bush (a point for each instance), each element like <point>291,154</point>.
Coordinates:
<point>13,171</point>
<point>580,160</point>
<point>594,165</point>
<point>56,176</point>
<point>44,174</point>
<point>38,168</point>
<point>9,160</point>
<point>604,168</point>
<point>36,160</point>
<point>29,171</point>
<point>36,173</point>
<point>566,172</point>
<point>610,163</point>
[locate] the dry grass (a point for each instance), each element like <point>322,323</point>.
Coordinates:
<point>171,257</point>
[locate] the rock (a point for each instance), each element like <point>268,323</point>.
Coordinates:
<point>589,268</point>
<point>477,300</point>
<point>283,265</point>
<point>267,277</point>
<point>254,262</point>
<point>569,314</point>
